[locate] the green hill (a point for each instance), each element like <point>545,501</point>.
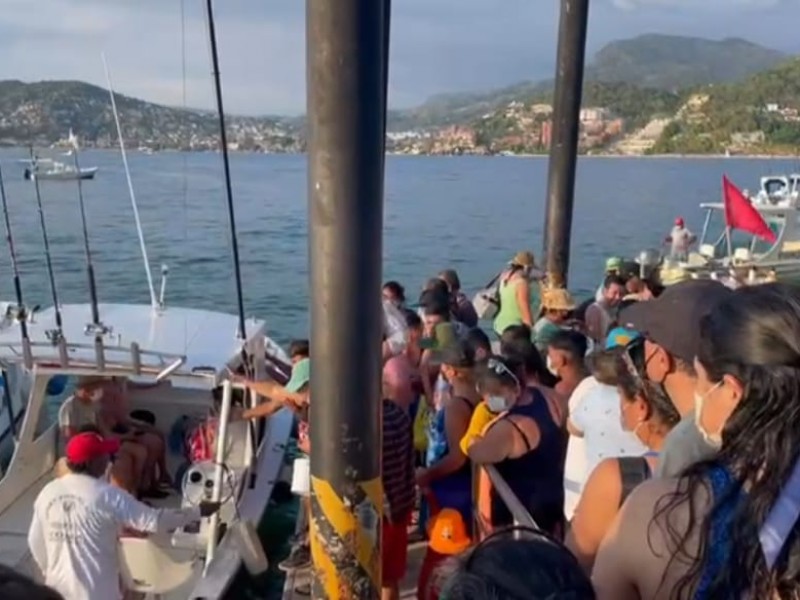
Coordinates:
<point>760,114</point>
<point>659,62</point>
<point>43,112</point>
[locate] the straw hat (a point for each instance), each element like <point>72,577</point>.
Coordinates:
<point>523,258</point>
<point>448,532</point>
<point>557,299</point>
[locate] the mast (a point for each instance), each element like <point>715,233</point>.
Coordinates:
<point>212,35</point>
<point>87,251</point>
<point>153,300</point>
<point>46,242</point>
<point>564,146</point>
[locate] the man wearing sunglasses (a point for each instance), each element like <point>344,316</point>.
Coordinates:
<point>670,329</point>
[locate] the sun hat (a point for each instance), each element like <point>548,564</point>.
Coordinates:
<point>523,258</point>
<point>557,299</point>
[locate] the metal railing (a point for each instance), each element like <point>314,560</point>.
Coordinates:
<point>519,514</point>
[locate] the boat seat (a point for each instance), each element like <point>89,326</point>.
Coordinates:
<point>150,566</point>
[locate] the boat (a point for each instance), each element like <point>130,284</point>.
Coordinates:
<point>753,260</point>
<point>53,170</point>
<point>189,352</point>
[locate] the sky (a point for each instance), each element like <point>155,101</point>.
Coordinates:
<point>436,45</point>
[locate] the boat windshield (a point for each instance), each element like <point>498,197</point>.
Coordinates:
<point>775,186</point>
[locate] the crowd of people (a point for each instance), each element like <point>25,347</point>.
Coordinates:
<point>651,434</point>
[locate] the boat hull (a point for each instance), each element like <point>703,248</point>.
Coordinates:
<point>88,173</point>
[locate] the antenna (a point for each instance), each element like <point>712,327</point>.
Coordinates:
<point>226,165</point>
<point>96,324</point>
<point>46,241</point>
<point>22,316</point>
<point>131,193</point>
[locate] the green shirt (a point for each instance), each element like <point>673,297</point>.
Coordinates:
<point>510,313</point>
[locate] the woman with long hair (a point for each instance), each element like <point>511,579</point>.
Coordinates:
<point>647,412</point>
<point>727,527</point>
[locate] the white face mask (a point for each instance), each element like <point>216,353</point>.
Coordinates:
<point>96,395</point>
<point>712,439</point>
<point>550,367</point>
<point>496,404</point>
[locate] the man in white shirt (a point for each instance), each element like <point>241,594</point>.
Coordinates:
<point>77,518</point>
<point>680,239</point>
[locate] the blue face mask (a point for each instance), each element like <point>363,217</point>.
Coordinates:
<point>496,404</point>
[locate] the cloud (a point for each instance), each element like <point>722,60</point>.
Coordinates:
<point>441,46</point>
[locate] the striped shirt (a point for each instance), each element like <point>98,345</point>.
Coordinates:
<point>398,462</point>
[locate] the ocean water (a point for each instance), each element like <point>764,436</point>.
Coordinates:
<point>468,213</point>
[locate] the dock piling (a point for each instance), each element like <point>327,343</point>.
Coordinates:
<point>346,79</point>
<point>564,146</point>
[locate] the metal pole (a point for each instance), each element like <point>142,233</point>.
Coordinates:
<point>346,118</point>
<point>564,146</point>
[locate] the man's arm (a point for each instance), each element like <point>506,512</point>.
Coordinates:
<point>129,512</point>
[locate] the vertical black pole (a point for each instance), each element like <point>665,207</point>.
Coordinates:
<point>223,142</point>
<point>564,145</point>
<point>346,119</point>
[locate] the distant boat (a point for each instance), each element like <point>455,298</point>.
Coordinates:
<point>49,169</point>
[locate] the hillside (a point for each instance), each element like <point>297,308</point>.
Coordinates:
<point>760,114</point>
<point>674,62</point>
<point>43,112</point>
<point>660,62</point>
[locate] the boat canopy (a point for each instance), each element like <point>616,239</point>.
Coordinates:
<point>138,340</point>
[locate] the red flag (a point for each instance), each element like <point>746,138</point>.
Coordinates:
<point>742,215</point>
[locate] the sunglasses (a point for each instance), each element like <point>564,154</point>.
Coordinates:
<point>498,368</point>
<point>635,361</point>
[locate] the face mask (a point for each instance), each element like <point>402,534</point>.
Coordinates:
<point>496,404</point>
<point>712,439</point>
<point>96,395</point>
<point>550,367</point>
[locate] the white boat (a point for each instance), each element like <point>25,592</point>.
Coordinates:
<point>756,261</point>
<point>53,170</point>
<point>189,351</point>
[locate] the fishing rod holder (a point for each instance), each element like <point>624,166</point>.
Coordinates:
<point>97,329</point>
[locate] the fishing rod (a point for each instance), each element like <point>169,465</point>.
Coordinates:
<point>87,251</point>
<point>21,313</point>
<point>153,301</point>
<point>46,241</point>
<point>226,166</point>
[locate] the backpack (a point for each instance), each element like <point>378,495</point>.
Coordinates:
<point>487,301</point>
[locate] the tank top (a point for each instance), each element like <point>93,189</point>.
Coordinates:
<point>509,309</point>
<point>455,489</point>
<point>726,495</point>
<point>536,477</point>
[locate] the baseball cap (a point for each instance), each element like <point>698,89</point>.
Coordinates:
<point>83,447</point>
<point>456,353</point>
<point>613,263</point>
<point>301,375</point>
<point>620,336</point>
<point>673,319</point>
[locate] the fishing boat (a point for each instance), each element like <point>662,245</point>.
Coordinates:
<point>47,169</point>
<point>189,352</point>
<point>749,259</point>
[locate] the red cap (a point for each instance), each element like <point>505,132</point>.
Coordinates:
<point>679,221</point>
<point>84,447</point>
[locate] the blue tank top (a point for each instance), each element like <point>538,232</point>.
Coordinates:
<point>453,490</point>
<point>536,477</point>
<point>719,542</point>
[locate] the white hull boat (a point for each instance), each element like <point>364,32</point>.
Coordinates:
<point>189,351</point>
<point>59,172</point>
